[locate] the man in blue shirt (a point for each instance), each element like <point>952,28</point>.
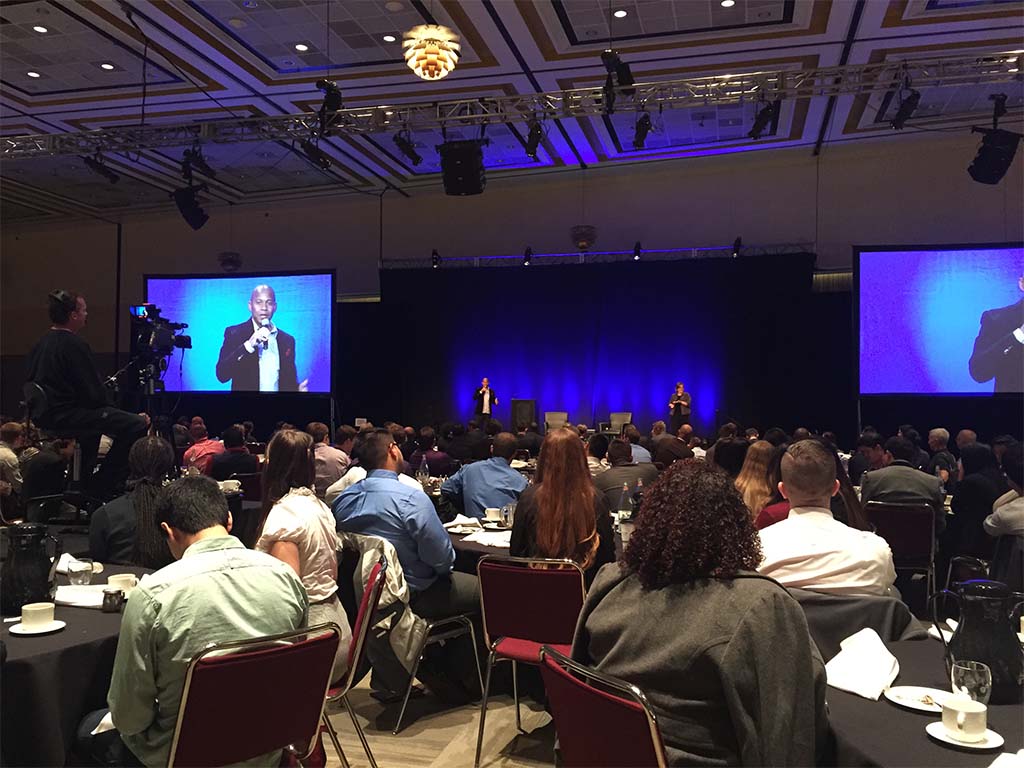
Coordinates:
<point>640,454</point>
<point>490,483</point>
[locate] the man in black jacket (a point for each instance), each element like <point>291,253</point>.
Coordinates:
<point>999,347</point>
<point>256,355</point>
<point>484,400</point>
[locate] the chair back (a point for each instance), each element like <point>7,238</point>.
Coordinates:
<point>1008,562</point>
<point>601,721</point>
<point>35,401</point>
<point>252,485</point>
<point>247,698</point>
<point>555,419</point>
<point>364,619</point>
<point>616,421</point>
<point>527,598</point>
<point>909,529</point>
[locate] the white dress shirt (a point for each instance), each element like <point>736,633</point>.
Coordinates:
<point>1007,518</point>
<point>811,550</point>
<point>354,475</point>
<point>487,401</point>
<point>270,360</point>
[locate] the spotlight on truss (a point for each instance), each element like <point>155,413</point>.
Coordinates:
<point>767,115</point>
<point>403,140</point>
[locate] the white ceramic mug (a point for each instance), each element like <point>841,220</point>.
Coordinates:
<point>964,719</point>
<point>36,615</point>
<point>126,582</point>
<point>493,514</point>
<point>625,531</point>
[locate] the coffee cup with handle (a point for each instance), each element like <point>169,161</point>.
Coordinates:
<point>36,615</point>
<point>126,582</point>
<point>493,514</point>
<point>964,719</point>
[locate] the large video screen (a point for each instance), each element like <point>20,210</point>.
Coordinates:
<point>252,333</point>
<point>941,321</point>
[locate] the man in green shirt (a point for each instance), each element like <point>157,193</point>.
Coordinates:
<point>217,591</point>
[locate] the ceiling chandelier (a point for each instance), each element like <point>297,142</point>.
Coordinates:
<point>431,50</point>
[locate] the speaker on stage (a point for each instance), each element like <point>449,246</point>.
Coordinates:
<point>523,412</point>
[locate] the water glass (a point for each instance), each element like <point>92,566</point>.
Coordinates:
<point>972,679</point>
<point>80,571</point>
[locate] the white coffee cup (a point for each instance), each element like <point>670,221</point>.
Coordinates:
<point>493,514</point>
<point>126,582</point>
<point>36,615</point>
<point>964,719</point>
<point>625,531</point>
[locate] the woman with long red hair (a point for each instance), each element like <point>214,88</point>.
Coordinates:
<point>562,514</point>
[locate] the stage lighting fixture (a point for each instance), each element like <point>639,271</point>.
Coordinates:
<point>96,165</point>
<point>435,259</point>
<point>462,166</point>
<point>526,256</point>
<point>403,140</point>
<point>187,201</point>
<point>995,154</point>
<point>643,127</point>
<point>636,251</point>
<point>908,104</point>
<point>768,114</point>
<point>315,155</point>
<point>330,105</point>
<point>533,137</point>
<point>737,244</point>
<point>617,69</point>
<point>193,160</point>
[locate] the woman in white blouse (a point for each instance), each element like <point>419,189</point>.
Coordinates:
<point>299,529</point>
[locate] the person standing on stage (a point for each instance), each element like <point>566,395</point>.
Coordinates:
<point>484,401</point>
<point>76,402</point>
<point>679,405</point>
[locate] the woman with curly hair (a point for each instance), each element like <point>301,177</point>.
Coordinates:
<point>722,653</point>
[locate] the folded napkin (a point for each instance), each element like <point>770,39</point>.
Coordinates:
<point>66,558</point>
<point>1009,760</point>
<point>947,634</point>
<point>80,596</point>
<point>501,539</point>
<point>464,521</point>
<point>864,666</point>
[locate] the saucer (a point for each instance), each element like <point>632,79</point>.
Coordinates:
<point>916,697</point>
<point>44,629</point>
<point>992,739</point>
<point>491,525</point>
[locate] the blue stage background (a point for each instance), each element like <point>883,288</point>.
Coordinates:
<point>211,304</point>
<point>920,311</point>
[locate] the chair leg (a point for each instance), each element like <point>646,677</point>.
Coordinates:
<point>334,740</point>
<point>476,653</point>
<point>359,730</point>
<point>408,690</point>
<point>483,709</point>
<point>515,694</point>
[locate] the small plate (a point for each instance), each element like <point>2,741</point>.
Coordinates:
<point>45,629</point>
<point>992,739</point>
<point>913,697</point>
<point>492,526</point>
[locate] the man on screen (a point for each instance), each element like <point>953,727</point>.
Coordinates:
<point>999,347</point>
<point>257,356</point>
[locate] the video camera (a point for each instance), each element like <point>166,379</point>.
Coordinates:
<point>154,337</point>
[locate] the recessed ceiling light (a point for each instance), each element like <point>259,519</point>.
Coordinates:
<point>394,6</point>
<point>33,74</point>
<point>728,3</point>
<point>237,23</point>
<point>388,114</point>
<point>620,14</point>
<point>107,66</point>
<point>249,3</point>
<point>40,30</point>
<point>389,38</point>
<point>301,47</point>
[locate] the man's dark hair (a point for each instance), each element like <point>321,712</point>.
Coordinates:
<point>1013,464</point>
<point>191,505</point>
<point>318,431</point>
<point>233,437</point>
<point>727,430</point>
<point>1003,440</point>
<point>776,436</point>
<point>493,428</point>
<point>504,445</point>
<point>830,438</point>
<point>457,430</point>
<point>911,434</point>
<point>61,305</point>
<point>472,424</point>
<point>426,439</point>
<point>801,433</point>
<point>869,440</point>
<point>374,451</point>
<point>534,427</point>
<point>751,432</point>
<point>730,454</point>
<point>248,427</point>
<point>620,452</point>
<point>900,448</point>
<point>397,433</point>
<point>631,433</point>
<point>344,433</point>
<point>597,446</point>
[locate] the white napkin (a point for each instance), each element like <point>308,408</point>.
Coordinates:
<point>501,539</point>
<point>946,633</point>
<point>80,596</point>
<point>106,724</point>
<point>1009,760</point>
<point>464,521</point>
<point>864,666</point>
<point>66,558</point>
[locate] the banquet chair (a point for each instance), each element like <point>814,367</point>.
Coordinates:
<point>527,602</point>
<point>252,485</point>
<point>909,529</point>
<point>245,698</point>
<point>619,419</point>
<point>356,654</point>
<point>1007,564</point>
<point>555,419</point>
<point>601,721</point>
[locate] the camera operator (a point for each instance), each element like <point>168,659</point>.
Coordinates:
<point>76,401</point>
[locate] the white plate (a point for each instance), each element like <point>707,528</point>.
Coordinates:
<point>492,526</point>
<point>910,696</point>
<point>53,626</point>
<point>992,739</point>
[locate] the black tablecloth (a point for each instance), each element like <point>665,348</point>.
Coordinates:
<point>50,681</point>
<point>879,733</point>
<point>467,553</point>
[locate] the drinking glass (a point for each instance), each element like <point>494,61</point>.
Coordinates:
<point>80,571</point>
<point>973,679</point>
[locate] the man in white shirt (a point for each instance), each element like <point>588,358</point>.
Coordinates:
<point>811,550</point>
<point>1007,518</point>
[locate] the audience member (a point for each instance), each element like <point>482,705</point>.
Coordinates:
<point>12,439</point>
<point>696,445</point>
<point>685,432</point>
<point>562,514</point>
<point>899,482</point>
<point>752,481</point>
<point>729,453</point>
<point>810,549</point>
<point>45,473</point>
<point>722,653</point>
<point>870,455</point>
<point>299,529</point>
<point>965,437</point>
<point>529,438</point>
<point>469,444</point>
<point>250,434</point>
<point>658,433</point>
<point>801,433</point>
<point>410,445</point>
<point>752,435</point>
<point>217,591</point>
<point>330,462</point>
<point>942,463</point>
<point>776,436</point>
<point>490,483</point>
<point>597,450</point>
<point>235,459</point>
<point>1007,518</point>
<point>582,430</point>
<point>124,530</point>
<point>980,484</point>
<point>622,472</point>
<point>776,506</point>
<point>1000,444</point>
<point>640,454</point>
<point>921,456</point>
<point>344,437</point>
<point>439,463</point>
<point>182,437</point>
<point>357,472</point>
<point>204,448</point>
<point>671,450</point>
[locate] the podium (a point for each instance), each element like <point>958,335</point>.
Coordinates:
<point>523,412</point>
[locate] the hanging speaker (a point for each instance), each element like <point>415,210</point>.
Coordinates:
<point>462,166</point>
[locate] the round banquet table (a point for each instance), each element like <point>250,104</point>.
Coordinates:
<point>468,553</point>
<point>879,733</point>
<point>51,681</point>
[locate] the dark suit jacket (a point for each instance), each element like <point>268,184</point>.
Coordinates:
<point>610,481</point>
<point>530,441</point>
<point>242,367</point>
<point>900,483</point>
<point>229,463</point>
<point>478,400</point>
<point>997,354</point>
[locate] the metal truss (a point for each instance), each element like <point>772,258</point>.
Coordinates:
<point>766,86</point>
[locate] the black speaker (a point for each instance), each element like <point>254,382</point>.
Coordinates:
<point>462,166</point>
<point>523,412</point>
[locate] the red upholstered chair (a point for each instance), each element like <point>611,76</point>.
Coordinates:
<point>527,603</point>
<point>246,698</point>
<point>356,652</point>
<point>601,721</point>
<point>909,530</point>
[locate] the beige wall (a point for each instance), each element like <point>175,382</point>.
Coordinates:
<point>912,189</point>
